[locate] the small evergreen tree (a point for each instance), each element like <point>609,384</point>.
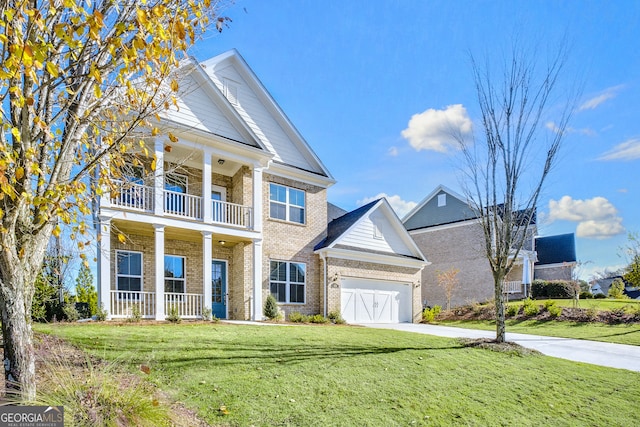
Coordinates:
<point>85,291</point>
<point>271,311</point>
<point>616,290</point>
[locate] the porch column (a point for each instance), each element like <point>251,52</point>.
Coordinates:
<point>256,313</point>
<point>206,269</point>
<point>158,179</point>
<point>257,199</point>
<point>526,272</point>
<point>159,270</point>
<point>104,265</point>
<point>206,186</point>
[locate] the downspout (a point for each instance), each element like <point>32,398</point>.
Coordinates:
<point>324,280</point>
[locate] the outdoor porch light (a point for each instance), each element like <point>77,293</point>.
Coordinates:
<point>222,242</point>
<point>221,161</point>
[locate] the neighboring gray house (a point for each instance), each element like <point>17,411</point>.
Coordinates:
<point>447,231</point>
<point>556,257</point>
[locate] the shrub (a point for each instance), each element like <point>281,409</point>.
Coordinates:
<point>135,315</point>
<point>101,314</point>
<point>554,289</point>
<point>530,308</point>
<point>70,313</point>
<point>206,313</point>
<point>616,291</point>
<point>336,317</point>
<point>512,310</point>
<point>591,314</point>
<point>599,296</point>
<point>554,310</point>
<point>318,318</point>
<point>271,310</point>
<point>174,315</point>
<point>430,314</point>
<point>586,295</point>
<point>297,317</point>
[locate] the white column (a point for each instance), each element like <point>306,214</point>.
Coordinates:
<point>206,186</point>
<point>257,281</point>
<point>158,179</point>
<point>206,268</point>
<point>257,199</point>
<point>159,269</point>
<point>104,265</point>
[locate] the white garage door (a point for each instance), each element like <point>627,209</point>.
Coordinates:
<point>371,301</point>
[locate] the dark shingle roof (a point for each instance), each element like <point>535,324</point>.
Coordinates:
<point>339,225</point>
<point>556,249</point>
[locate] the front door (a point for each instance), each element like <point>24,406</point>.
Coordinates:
<point>219,289</point>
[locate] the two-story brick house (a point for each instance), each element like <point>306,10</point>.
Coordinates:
<point>235,209</point>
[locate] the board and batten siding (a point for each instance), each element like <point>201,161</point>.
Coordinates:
<point>362,236</point>
<point>260,120</point>
<point>196,110</point>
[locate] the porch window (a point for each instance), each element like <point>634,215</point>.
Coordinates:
<point>174,274</point>
<point>287,203</point>
<point>128,271</point>
<point>287,281</point>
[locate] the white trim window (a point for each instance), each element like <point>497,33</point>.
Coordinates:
<point>286,203</point>
<point>174,274</point>
<point>128,272</point>
<point>287,281</point>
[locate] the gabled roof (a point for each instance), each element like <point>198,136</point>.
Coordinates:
<point>556,249</point>
<point>264,116</point>
<point>427,213</point>
<point>353,236</point>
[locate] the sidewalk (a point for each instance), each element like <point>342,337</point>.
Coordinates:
<point>597,353</point>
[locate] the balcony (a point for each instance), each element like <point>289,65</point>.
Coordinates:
<point>140,197</point>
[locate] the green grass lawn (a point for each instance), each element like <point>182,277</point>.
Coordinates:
<point>597,303</point>
<point>339,376</point>
<point>620,334</point>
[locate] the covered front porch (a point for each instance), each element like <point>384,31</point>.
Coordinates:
<point>156,271</point>
<point>517,284</point>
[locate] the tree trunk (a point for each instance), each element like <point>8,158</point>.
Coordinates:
<point>500,319</point>
<point>19,359</point>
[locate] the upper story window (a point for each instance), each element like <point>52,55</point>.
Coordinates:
<point>287,281</point>
<point>442,200</point>
<point>286,203</point>
<point>129,271</point>
<point>231,91</point>
<point>174,274</point>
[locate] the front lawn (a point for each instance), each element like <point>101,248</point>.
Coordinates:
<point>331,375</point>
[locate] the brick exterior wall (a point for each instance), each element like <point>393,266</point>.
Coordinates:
<point>287,241</point>
<point>339,268</point>
<point>459,246</point>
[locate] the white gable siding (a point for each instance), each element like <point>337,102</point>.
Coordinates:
<point>260,120</point>
<point>196,110</point>
<point>362,236</point>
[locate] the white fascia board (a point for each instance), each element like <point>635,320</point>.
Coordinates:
<point>374,258</point>
<point>395,222</point>
<point>444,226</point>
<point>232,150</point>
<point>178,223</point>
<point>557,265</point>
<point>301,175</point>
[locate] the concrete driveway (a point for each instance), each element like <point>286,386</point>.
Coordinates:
<point>597,353</point>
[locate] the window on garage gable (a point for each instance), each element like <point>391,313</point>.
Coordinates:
<point>287,281</point>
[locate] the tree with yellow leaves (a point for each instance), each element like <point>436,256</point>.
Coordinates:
<point>81,83</point>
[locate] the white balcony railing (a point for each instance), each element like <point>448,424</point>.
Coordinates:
<point>512,287</point>
<point>231,213</point>
<point>184,205</point>
<point>141,198</point>
<point>134,196</point>
<point>125,303</point>
<point>189,305</point>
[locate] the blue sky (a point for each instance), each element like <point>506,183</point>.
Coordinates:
<point>351,75</point>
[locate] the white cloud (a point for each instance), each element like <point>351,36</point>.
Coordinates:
<point>400,206</point>
<point>584,131</point>
<point>393,151</point>
<point>597,218</point>
<point>437,129</point>
<point>593,103</point>
<point>628,150</point>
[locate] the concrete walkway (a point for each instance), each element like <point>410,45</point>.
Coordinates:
<point>597,353</point>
